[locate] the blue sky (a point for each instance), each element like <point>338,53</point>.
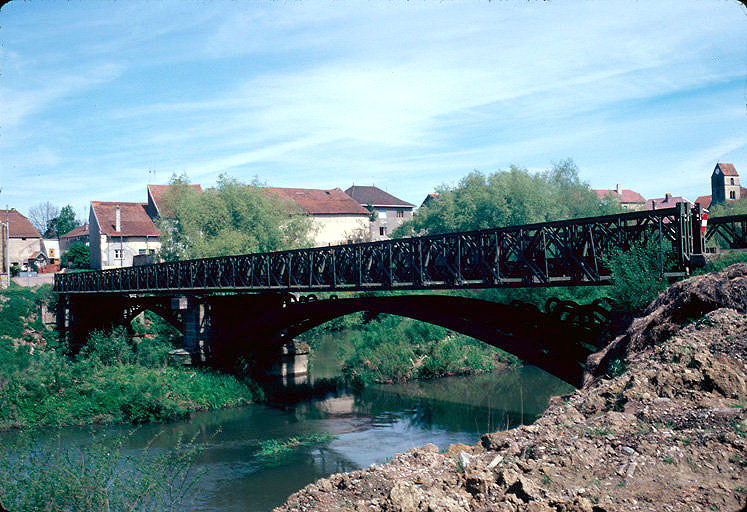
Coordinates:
<point>94,96</point>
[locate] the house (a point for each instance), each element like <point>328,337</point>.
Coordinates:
<point>724,186</point>
<point>50,248</point>
<point>156,207</point>
<point>337,217</point>
<point>79,234</point>
<point>24,241</point>
<point>118,232</point>
<point>668,201</point>
<point>4,277</point>
<point>629,199</point>
<point>387,212</point>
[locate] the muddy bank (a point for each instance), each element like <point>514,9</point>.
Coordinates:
<point>659,426</point>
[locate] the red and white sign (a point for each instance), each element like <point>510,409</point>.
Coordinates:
<point>703,224</point>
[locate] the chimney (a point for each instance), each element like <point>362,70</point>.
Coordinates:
<point>667,197</point>
<point>117,220</point>
<point>619,189</point>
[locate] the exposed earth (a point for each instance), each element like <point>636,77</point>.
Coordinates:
<point>659,425</point>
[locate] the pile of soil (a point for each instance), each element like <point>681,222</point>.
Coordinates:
<point>659,425</point>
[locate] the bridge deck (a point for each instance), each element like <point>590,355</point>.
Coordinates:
<point>561,253</point>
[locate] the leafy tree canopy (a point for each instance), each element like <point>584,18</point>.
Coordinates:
<point>507,198</point>
<point>231,218</point>
<point>63,223</point>
<point>78,256</point>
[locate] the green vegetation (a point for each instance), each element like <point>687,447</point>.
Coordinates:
<point>273,449</point>
<point>77,257</point>
<point>637,275</point>
<point>114,378</point>
<point>388,348</point>
<point>96,477</point>
<point>507,198</point>
<point>737,207</point>
<point>232,218</point>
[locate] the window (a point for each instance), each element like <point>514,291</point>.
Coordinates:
<point>142,251</point>
<point>117,254</point>
<point>400,213</point>
<point>382,214</point>
<point>382,230</point>
<point>732,195</point>
<point>732,181</point>
<point>151,251</point>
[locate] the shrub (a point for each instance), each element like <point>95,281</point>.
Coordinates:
<point>636,275</point>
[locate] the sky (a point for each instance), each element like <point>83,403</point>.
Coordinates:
<point>100,98</point>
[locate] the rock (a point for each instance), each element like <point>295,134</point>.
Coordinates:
<point>478,482</point>
<point>454,449</point>
<point>430,448</point>
<point>325,485</point>
<point>404,497</point>
<point>497,460</point>
<point>523,488</point>
<point>464,459</point>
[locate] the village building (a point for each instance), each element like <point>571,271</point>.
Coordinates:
<point>24,241</point>
<point>120,231</point>
<point>629,199</point>
<point>337,218</point>
<point>79,234</point>
<point>50,248</point>
<point>668,201</point>
<point>4,271</point>
<point>387,212</point>
<point>724,186</point>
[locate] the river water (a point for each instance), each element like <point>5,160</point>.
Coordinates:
<point>370,427</point>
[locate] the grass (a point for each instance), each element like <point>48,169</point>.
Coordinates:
<point>115,378</point>
<point>273,449</point>
<point>96,476</point>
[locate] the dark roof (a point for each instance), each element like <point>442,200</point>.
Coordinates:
<point>374,196</point>
<point>156,192</point>
<point>77,232</point>
<point>668,201</point>
<point>134,219</point>
<point>726,169</point>
<point>428,199</point>
<point>320,202</point>
<point>19,226</point>
<point>627,196</point>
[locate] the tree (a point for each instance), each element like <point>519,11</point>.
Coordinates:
<point>42,215</point>
<point>232,218</point>
<point>737,207</point>
<point>78,256</point>
<point>63,223</point>
<point>508,198</point>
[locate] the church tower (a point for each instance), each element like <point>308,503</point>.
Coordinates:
<point>724,183</point>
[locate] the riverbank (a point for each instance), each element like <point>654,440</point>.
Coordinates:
<point>659,427</point>
<point>116,377</point>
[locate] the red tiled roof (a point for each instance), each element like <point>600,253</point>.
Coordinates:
<point>727,169</point>
<point>156,192</point>
<point>428,199</point>
<point>320,202</point>
<point>134,219</point>
<point>668,201</point>
<point>375,197</point>
<point>77,232</point>
<point>705,201</point>
<point>19,226</point>
<point>627,196</point>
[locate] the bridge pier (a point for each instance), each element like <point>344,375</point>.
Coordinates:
<point>196,325</point>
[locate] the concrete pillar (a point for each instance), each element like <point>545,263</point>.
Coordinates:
<point>196,330</point>
<point>291,363</point>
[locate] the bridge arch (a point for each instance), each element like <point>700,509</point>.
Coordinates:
<point>536,337</point>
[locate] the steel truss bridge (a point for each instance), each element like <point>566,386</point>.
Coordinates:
<point>561,253</point>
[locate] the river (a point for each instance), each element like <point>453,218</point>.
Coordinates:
<point>369,426</point>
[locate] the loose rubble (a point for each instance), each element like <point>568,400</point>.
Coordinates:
<point>665,433</point>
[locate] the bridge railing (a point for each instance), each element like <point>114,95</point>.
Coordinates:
<point>728,231</point>
<point>560,253</point>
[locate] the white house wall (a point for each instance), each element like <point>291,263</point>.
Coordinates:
<point>336,229</point>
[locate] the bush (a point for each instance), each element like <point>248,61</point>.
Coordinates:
<point>636,275</point>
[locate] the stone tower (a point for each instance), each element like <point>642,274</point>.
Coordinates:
<point>724,183</point>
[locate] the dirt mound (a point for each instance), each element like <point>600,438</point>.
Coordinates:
<point>667,432</point>
<point>680,304</point>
